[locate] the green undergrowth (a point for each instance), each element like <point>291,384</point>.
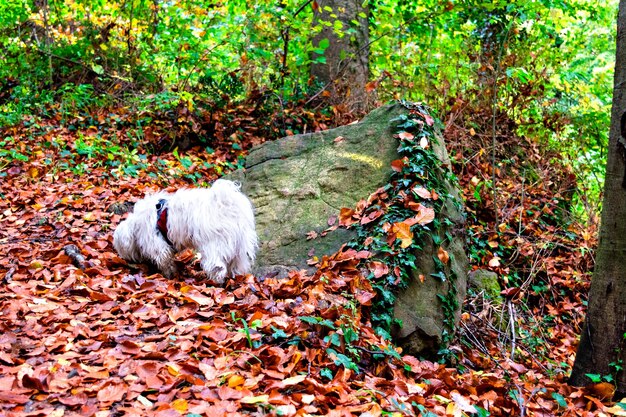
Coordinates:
<point>105,156</point>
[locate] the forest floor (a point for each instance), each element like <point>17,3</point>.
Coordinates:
<point>84,334</point>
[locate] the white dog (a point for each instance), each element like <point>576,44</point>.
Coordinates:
<point>218,222</point>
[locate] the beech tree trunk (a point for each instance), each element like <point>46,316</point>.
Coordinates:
<point>346,70</point>
<point>603,342</point>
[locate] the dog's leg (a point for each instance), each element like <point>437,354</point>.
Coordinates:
<point>212,263</point>
<point>162,255</point>
<point>240,265</point>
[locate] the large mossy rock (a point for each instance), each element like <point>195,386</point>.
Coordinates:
<point>298,185</point>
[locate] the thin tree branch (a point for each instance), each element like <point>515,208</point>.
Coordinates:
<point>48,46</point>
<point>183,85</point>
<point>306,3</point>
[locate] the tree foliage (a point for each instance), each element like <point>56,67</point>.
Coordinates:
<point>547,64</point>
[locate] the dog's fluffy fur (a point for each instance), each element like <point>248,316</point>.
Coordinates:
<point>218,222</point>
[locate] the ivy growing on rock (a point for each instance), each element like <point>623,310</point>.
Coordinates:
<point>399,217</point>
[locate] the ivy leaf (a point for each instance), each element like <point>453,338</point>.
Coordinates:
<point>594,377</point>
<point>310,320</point>
<point>279,333</point>
<point>350,335</point>
<point>343,360</point>
<point>439,275</point>
<point>559,399</point>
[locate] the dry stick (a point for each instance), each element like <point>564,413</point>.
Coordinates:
<point>535,266</point>
<point>521,212</point>
<point>484,349</point>
<point>512,327</point>
<point>519,398</point>
<point>372,352</point>
<point>520,401</point>
<point>502,335</point>
<point>477,343</point>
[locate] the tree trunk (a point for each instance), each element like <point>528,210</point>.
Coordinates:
<point>602,349</point>
<point>346,70</point>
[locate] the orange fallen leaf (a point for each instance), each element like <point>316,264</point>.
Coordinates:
<point>424,215</point>
<point>379,268</point>
<point>422,192</point>
<point>443,256</point>
<point>371,86</point>
<point>398,164</point>
<point>345,217</point>
<point>294,380</point>
<point>235,381</point>
<point>602,390</point>
<point>403,232</point>
<point>173,369</point>
<point>195,296</point>
<point>112,392</point>
<point>180,405</point>
<point>511,292</point>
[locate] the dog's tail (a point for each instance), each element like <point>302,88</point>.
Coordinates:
<point>222,185</point>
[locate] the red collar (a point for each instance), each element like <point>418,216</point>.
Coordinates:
<point>162,219</point>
